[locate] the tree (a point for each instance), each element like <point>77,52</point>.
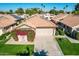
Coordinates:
<point>65,8</point>
<point>2,12</point>
<point>33,11</point>
<point>53,12</point>
<point>54,9</point>
<point>11,11</point>
<point>61,11</point>
<point>40,11</point>
<point>77,7</point>
<point>43,6</point>
<point>7,12</point>
<point>28,11</point>
<point>26,52</point>
<point>19,11</point>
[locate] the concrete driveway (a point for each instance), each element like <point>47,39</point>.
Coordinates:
<point>48,44</point>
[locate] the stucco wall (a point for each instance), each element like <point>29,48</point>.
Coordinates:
<point>1,32</point>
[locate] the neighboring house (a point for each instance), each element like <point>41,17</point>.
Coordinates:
<point>9,22</point>
<point>58,17</point>
<point>70,24</point>
<point>48,16</point>
<point>18,19</point>
<point>6,24</point>
<point>23,16</point>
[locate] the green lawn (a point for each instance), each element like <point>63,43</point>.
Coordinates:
<point>9,49</point>
<point>67,47</point>
<point>14,49</point>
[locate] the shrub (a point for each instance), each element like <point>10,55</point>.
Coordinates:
<point>57,33</point>
<point>3,38</point>
<point>28,51</point>
<point>13,34</point>
<point>67,33</point>
<point>77,35</point>
<point>31,35</point>
<point>61,32</point>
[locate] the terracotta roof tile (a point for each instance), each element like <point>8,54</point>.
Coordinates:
<point>71,20</point>
<point>6,20</point>
<point>37,21</point>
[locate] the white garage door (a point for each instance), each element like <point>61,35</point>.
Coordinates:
<point>44,31</point>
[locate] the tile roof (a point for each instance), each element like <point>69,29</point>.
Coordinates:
<point>37,21</point>
<point>59,17</point>
<point>71,20</point>
<point>6,20</point>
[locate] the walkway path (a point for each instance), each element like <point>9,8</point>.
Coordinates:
<point>48,44</point>
<point>70,39</point>
<point>12,41</point>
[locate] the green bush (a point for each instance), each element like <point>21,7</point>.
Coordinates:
<point>3,38</point>
<point>31,35</point>
<point>13,34</point>
<point>77,35</point>
<point>67,33</point>
<point>59,31</point>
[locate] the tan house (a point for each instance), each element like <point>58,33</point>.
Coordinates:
<point>42,26</point>
<point>39,25</point>
<point>70,23</point>
<point>58,17</point>
<point>6,24</point>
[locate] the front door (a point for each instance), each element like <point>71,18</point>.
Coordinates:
<point>22,38</point>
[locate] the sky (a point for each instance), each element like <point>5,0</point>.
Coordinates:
<point>14,6</point>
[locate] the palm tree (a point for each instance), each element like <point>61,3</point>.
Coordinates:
<point>11,11</point>
<point>65,8</point>
<point>54,9</point>
<point>43,6</point>
<point>77,7</point>
<point>19,11</point>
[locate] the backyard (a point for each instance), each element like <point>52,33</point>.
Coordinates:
<point>67,47</point>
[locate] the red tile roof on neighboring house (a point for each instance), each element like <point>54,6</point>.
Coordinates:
<point>59,17</point>
<point>71,20</point>
<point>6,21</point>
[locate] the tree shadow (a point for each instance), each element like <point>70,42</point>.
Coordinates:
<point>26,52</point>
<point>40,53</point>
